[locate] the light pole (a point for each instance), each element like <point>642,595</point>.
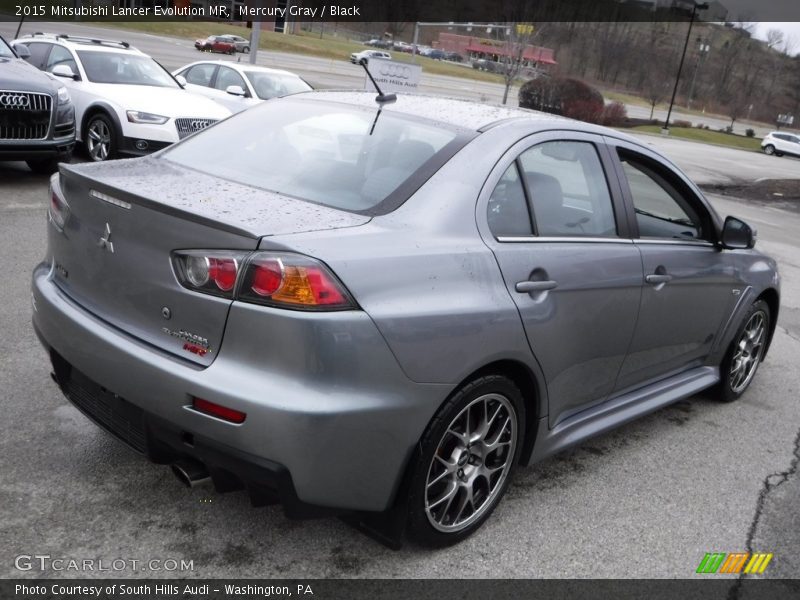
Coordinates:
<point>695,7</point>
<point>703,50</point>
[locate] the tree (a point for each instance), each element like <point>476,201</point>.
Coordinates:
<point>518,37</point>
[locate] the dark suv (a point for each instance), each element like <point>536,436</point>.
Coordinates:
<point>37,118</point>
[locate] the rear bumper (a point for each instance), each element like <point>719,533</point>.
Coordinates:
<point>331,418</point>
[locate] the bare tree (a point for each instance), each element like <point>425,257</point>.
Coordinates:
<point>774,39</point>
<point>519,36</point>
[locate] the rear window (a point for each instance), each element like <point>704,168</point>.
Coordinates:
<point>338,155</point>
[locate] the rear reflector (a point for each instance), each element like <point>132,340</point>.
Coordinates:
<point>59,209</point>
<point>219,411</point>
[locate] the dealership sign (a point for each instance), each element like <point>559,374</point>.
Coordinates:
<point>393,76</point>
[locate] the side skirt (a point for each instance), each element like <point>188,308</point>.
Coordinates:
<point>620,410</point>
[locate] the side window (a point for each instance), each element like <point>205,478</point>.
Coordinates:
<point>38,55</point>
<point>508,209</point>
<point>227,77</point>
<point>200,75</point>
<point>661,209</point>
<point>61,56</point>
<point>568,189</point>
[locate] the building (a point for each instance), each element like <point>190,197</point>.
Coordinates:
<point>475,48</point>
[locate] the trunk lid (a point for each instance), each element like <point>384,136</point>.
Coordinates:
<point>152,208</point>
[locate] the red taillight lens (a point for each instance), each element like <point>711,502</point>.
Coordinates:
<point>287,280</point>
<point>267,276</point>
<point>58,212</point>
<point>209,271</point>
<point>219,411</point>
<point>223,272</point>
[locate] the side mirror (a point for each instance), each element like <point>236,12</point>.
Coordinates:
<point>63,71</point>
<point>181,80</point>
<point>235,90</point>
<point>22,51</point>
<point>737,235</point>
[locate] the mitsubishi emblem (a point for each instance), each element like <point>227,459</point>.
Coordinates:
<point>105,241</point>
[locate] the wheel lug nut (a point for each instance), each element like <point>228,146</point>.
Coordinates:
<point>461,473</point>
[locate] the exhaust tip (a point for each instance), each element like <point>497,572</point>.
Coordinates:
<point>190,473</point>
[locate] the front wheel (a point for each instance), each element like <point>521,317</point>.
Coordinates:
<point>100,140</point>
<point>769,149</point>
<point>745,353</point>
<point>246,49</point>
<point>468,454</point>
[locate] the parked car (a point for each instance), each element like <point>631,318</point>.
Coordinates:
<point>435,54</point>
<point>125,102</point>
<point>453,57</point>
<point>238,86</point>
<point>216,43</point>
<point>357,57</point>
<point>386,312</point>
<point>37,117</point>
<point>240,44</point>
<point>780,143</point>
<point>378,43</point>
<point>402,46</point>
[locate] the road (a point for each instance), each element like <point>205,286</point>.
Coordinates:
<point>648,500</point>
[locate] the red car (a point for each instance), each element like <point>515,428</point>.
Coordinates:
<point>215,43</point>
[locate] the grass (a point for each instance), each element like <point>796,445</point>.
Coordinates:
<point>330,47</point>
<point>706,135</point>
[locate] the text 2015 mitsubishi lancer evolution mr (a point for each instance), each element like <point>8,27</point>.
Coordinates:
<point>351,305</point>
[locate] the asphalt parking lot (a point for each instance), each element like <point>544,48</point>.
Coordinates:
<point>648,500</point>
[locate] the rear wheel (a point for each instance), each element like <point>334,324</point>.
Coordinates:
<point>468,454</point>
<point>769,149</point>
<point>745,353</point>
<point>100,139</point>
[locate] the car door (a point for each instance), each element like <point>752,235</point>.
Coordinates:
<point>688,281</point>
<point>567,261</point>
<point>225,78</point>
<point>39,52</point>
<point>200,78</point>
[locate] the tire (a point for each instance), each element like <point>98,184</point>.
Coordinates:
<point>769,149</point>
<point>100,139</point>
<point>246,49</point>
<point>453,475</point>
<point>745,353</point>
<point>45,166</point>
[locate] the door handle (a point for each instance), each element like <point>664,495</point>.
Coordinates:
<point>529,287</point>
<point>656,279</point>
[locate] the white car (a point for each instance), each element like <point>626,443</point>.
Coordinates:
<point>125,102</point>
<point>238,86</point>
<point>356,57</point>
<point>780,143</point>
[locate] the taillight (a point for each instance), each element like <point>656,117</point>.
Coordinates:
<point>219,411</point>
<point>209,271</point>
<point>286,280</point>
<point>279,279</point>
<point>58,211</point>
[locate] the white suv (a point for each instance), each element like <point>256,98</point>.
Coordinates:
<point>780,143</point>
<point>125,102</point>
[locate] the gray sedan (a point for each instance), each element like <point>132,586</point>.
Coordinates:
<point>348,305</point>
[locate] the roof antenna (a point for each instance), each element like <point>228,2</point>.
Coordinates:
<point>381,97</point>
